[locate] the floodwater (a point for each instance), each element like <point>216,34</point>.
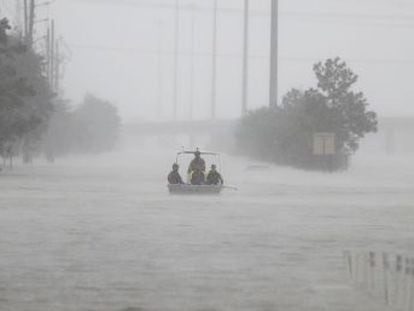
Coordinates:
<point>104,234</point>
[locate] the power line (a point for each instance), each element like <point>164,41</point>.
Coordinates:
<point>330,15</point>
<point>353,60</point>
<point>166,6</point>
<point>386,20</point>
<point>137,50</point>
<point>140,51</point>
<point>378,23</point>
<point>264,13</point>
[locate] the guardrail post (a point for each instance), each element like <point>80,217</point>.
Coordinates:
<point>386,266</point>
<point>372,264</point>
<point>407,285</point>
<point>411,289</point>
<point>398,279</point>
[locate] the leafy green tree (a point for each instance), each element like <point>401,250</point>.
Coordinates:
<point>284,134</point>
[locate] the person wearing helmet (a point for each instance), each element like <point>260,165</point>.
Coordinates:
<point>214,177</point>
<point>197,163</point>
<point>174,177</point>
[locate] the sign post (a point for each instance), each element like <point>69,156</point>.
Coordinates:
<point>324,147</point>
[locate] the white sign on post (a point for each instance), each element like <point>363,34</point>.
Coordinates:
<point>324,143</point>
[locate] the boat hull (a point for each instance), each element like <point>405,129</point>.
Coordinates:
<point>195,189</point>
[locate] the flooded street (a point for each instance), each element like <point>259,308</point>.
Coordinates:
<point>107,106</point>
<point>110,237</point>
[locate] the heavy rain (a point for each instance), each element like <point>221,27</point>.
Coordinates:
<point>206,155</point>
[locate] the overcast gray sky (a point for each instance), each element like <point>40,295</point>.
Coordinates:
<point>115,43</point>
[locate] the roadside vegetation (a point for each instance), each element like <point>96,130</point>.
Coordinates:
<point>25,96</point>
<point>92,127</point>
<point>286,134</point>
<point>34,120</point>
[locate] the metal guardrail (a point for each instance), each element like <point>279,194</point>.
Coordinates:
<point>383,276</point>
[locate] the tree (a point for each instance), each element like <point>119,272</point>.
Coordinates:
<point>93,127</point>
<point>59,138</point>
<point>25,98</point>
<point>349,108</point>
<point>285,134</point>
<point>97,124</point>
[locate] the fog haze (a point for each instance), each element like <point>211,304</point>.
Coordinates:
<point>114,51</point>
<point>305,206</point>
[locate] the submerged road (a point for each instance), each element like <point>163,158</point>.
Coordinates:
<point>105,235</point>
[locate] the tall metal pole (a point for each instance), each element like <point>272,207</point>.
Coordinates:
<point>31,20</point>
<point>176,42</point>
<point>48,55</point>
<point>57,66</point>
<point>214,64</point>
<point>245,80</point>
<point>26,19</point>
<point>192,61</point>
<point>274,55</point>
<point>52,54</point>
<point>160,72</point>
<point>18,17</point>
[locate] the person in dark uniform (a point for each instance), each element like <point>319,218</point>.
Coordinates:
<point>174,177</point>
<point>197,177</point>
<point>197,163</point>
<point>214,177</point>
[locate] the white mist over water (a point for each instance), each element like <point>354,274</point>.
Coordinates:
<point>104,234</point>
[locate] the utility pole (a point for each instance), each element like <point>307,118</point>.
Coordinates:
<point>52,70</point>
<point>52,58</point>
<point>192,61</point>
<point>26,19</point>
<point>214,64</point>
<point>274,54</point>
<point>31,21</point>
<point>18,17</point>
<point>47,67</point>
<point>57,66</point>
<point>160,71</point>
<point>176,41</point>
<point>245,73</point>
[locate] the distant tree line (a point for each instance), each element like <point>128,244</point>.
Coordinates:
<point>92,127</point>
<point>285,134</point>
<point>34,120</point>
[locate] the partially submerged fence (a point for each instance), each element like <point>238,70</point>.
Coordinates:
<point>384,276</point>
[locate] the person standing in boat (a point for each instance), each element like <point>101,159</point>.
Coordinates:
<point>174,177</point>
<point>214,177</point>
<point>197,163</point>
<point>197,177</point>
